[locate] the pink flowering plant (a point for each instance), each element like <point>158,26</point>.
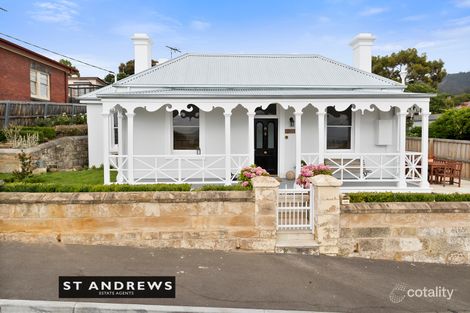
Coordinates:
<point>311,170</point>
<point>249,172</point>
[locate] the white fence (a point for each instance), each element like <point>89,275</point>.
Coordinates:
<point>370,167</point>
<point>192,169</point>
<point>295,209</point>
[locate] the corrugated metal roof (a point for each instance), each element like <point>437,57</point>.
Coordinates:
<point>255,71</point>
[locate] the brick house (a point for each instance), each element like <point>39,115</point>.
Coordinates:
<point>29,76</point>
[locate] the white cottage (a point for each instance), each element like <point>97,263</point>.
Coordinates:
<point>199,118</point>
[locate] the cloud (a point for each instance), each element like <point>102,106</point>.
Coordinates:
<point>324,19</point>
<point>372,11</point>
<point>462,3</point>
<point>58,11</point>
<point>387,48</point>
<point>200,25</point>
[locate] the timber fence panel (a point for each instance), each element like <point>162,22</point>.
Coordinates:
<point>449,149</point>
<point>24,113</point>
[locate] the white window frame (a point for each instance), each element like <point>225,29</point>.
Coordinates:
<point>353,142</point>
<point>38,74</point>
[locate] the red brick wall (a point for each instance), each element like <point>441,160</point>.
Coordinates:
<point>14,78</point>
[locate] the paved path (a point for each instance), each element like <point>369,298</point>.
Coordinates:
<point>237,279</point>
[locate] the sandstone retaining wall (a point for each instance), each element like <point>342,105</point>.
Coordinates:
<point>61,153</point>
<point>437,232</point>
<point>205,220</point>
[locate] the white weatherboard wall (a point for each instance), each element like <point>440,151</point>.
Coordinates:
<point>95,134</point>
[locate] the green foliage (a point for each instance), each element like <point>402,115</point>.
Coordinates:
<point>223,188</point>
<point>358,197</point>
<point>26,167</point>
<point>452,124</point>
<point>63,119</point>
<point>44,133</point>
<point>3,138</point>
<point>414,132</point>
<point>54,187</point>
<point>125,70</point>
<point>419,69</point>
<point>67,62</point>
<point>420,87</point>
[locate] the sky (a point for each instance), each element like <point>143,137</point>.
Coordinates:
<point>99,31</point>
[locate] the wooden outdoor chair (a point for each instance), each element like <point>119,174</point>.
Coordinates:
<point>456,173</point>
<point>450,173</point>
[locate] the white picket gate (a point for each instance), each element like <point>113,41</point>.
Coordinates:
<point>295,209</point>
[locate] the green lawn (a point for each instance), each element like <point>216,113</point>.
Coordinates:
<point>69,178</point>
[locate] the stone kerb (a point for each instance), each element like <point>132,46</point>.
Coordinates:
<point>266,191</point>
<point>327,212</point>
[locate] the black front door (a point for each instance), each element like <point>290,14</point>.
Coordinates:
<point>266,144</point>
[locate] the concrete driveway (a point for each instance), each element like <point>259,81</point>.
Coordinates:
<point>242,280</point>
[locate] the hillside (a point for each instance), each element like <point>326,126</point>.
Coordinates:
<point>455,84</point>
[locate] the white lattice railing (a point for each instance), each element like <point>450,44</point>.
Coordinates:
<point>194,169</point>
<point>295,209</point>
<point>413,166</point>
<point>370,167</point>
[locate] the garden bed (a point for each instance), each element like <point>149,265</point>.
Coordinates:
<point>358,197</point>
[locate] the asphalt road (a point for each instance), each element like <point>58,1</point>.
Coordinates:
<point>238,279</point>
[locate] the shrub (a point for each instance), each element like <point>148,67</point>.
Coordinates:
<point>71,130</point>
<point>452,124</point>
<point>248,172</point>
<point>357,197</point>
<point>222,188</point>
<point>41,187</point>
<point>62,119</point>
<point>3,138</point>
<point>26,167</point>
<point>311,170</point>
<point>44,133</point>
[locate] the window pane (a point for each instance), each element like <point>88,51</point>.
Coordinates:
<point>271,135</point>
<point>186,138</point>
<point>338,138</point>
<point>43,78</point>
<point>270,110</point>
<point>338,118</point>
<point>43,90</point>
<point>259,136</point>
<point>32,75</point>
<point>33,88</point>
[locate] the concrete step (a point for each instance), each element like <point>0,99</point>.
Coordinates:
<point>297,242</point>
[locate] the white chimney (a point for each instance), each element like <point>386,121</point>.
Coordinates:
<point>362,51</point>
<point>142,52</point>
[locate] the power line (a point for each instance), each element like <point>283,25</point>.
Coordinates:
<point>60,54</point>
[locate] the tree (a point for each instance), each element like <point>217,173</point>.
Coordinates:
<point>419,69</point>
<point>125,69</point>
<point>69,64</point>
<point>452,124</point>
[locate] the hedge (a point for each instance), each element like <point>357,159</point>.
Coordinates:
<point>222,188</point>
<point>44,133</point>
<point>41,187</point>
<point>357,197</point>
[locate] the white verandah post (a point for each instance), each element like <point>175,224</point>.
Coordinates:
<point>251,137</point>
<point>298,141</point>
<point>321,135</point>
<point>106,144</point>
<point>130,147</point>
<point>120,160</point>
<point>402,148</point>
<point>228,142</point>
<point>424,149</point>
